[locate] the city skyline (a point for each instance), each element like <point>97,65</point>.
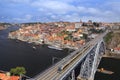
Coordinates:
<point>59,10</point>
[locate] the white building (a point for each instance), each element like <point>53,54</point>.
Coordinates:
<point>78,25</point>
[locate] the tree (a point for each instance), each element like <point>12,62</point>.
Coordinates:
<point>84,24</point>
<point>96,24</point>
<point>18,71</point>
<point>85,36</point>
<point>108,37</point>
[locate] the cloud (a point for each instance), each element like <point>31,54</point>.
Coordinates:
<point>114,5</point>
<point>56,7</point>
<point>89,10</point>
<point>114,10</point>
<point>17,1</point>
<point>28,16</point>
<point>65,8</point>
<point>57,10</point>
<point>25,18</point>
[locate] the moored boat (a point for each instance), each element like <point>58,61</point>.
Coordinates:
<point>55,47</point>
<point>34,47</point>
<point>102,70</point>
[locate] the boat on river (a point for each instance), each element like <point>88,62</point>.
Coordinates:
<point>102,70</point>
<point>34,47</point>
<point>55,47</point>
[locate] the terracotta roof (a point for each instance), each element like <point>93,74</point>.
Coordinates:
<point>3,76</point>
<point>14,78</point>
<point>117,48</point>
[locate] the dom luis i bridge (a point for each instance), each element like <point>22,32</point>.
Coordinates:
<point>78,65</point>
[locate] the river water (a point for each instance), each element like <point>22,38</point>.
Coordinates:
<point>13,54</point>
<point>16,53</point>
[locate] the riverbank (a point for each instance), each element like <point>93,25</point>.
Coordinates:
<point>41,42</point>
<point>115,56</point>
<point>111,54</point>
<point>2,28</point>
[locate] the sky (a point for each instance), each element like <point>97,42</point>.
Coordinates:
<point>59,10</point>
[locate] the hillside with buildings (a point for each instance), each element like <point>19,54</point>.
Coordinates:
<point>4,26</point>
<point>63,34</point>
